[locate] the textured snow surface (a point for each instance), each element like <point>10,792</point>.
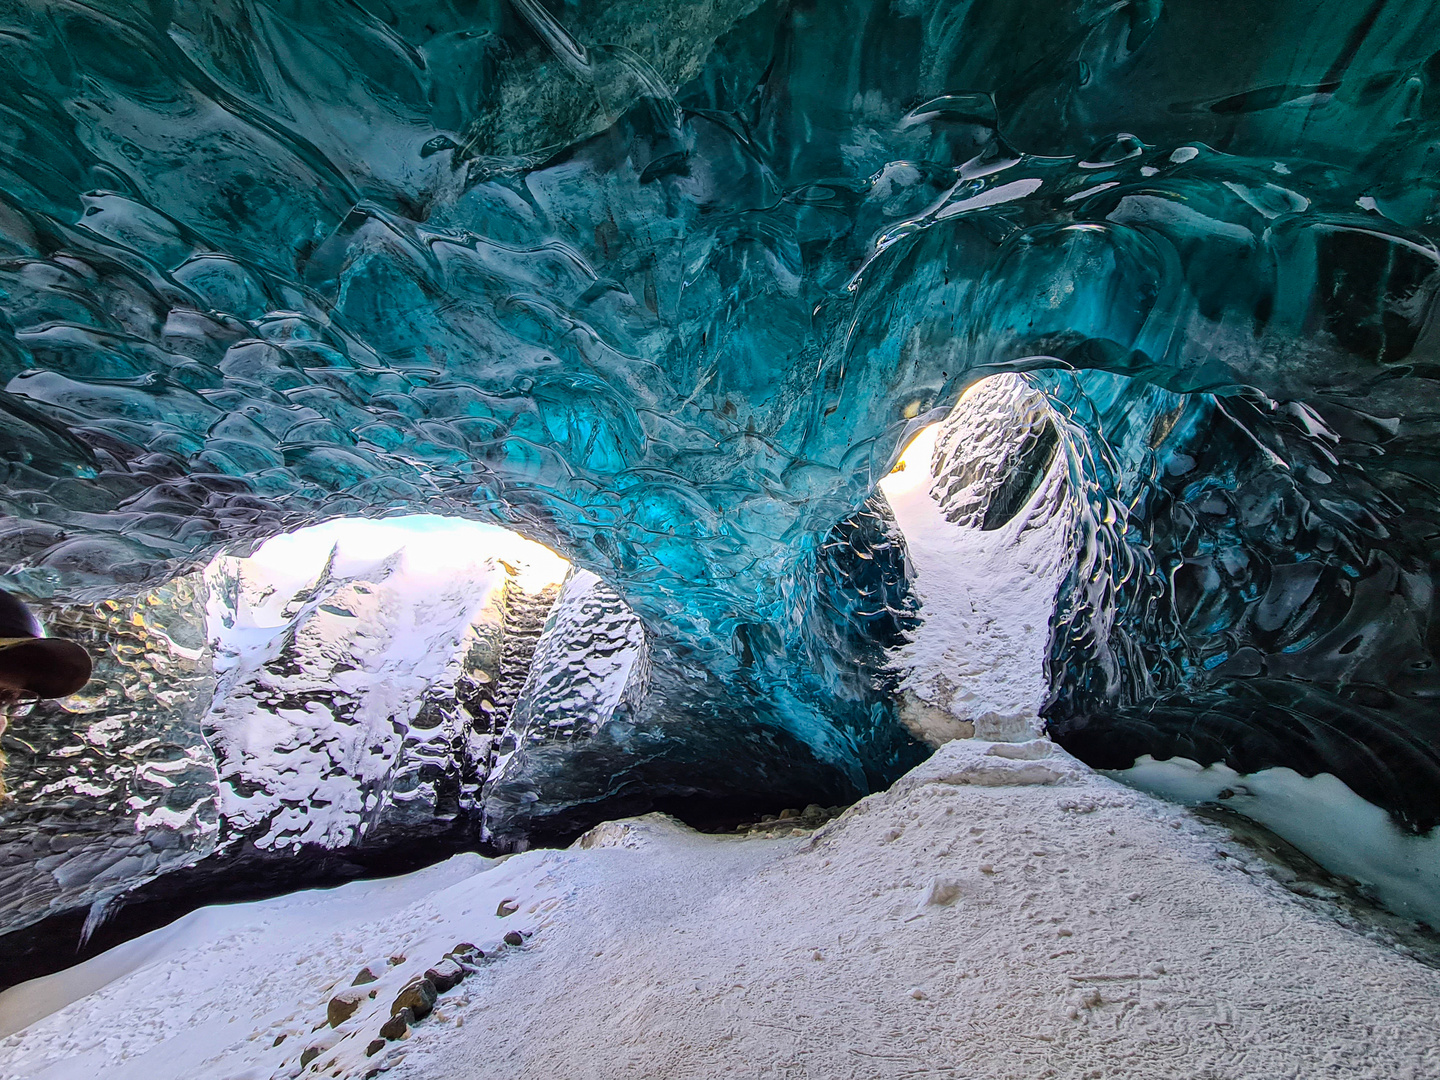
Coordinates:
<point>210,995</point>
<point>1322,817</point>
<point>1001,912</point>
<point>327,643</point>
<point>976,665</point>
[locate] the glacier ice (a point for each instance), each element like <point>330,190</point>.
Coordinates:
<point>114,785</point>
<point>668,286</point>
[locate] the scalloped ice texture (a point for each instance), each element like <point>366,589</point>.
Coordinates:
<point>667,286</point>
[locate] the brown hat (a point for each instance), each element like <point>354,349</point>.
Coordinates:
<point>44,666</point>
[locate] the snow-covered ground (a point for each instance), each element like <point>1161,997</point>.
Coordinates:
<point>1000,912</point>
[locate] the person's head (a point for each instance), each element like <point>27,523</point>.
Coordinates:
<point>33,664</point>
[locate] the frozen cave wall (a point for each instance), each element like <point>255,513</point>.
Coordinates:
<point>667,286</point>
<point>116,784</point>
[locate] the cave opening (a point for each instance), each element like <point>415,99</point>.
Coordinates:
<point>321,709</point>
<point>1093,564</point>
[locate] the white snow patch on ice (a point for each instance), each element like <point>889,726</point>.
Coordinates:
<point>1320,815</point>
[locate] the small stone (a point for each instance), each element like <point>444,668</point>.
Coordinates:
<point>817,955</point>
<point>1133,897</point>
<point>418,997</point>
<point>396,961</point>
<point>789,815</point>
<point>986,868</point>
<point>1063,932</point>
<point>507,907</point>
<point>446,975</point>
<point>918,994</point>
<point>279,1038</point>
<point>398,1025</point>
<point>467,956</point>
<point>942,892</point>
<point>1313,890</point>
<point>367,975</point>
<point>374,1046</point>
<point>513,938</point>
<point>309,1054</point>
<point>342,1006</point>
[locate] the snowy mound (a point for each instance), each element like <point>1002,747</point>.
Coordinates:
<point>1001,912</point>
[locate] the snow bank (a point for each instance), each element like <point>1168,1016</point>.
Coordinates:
<point>1322,817</point>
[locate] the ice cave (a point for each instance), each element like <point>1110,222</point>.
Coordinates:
<point>690,538</point>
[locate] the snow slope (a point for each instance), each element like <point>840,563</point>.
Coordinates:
<point>240,991</point>
<point>328,644</point>
<point>1001,912</point>
<point>976,665</point>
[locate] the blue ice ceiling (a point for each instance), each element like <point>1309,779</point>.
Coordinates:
<point>667,285</point>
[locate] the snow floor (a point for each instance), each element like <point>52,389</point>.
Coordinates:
<point>1319,815</point>
<point>1000,912</point>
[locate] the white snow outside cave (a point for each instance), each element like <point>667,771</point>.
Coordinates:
<point>976,665</point>
<point>407,592</point>
<point>424,554</point>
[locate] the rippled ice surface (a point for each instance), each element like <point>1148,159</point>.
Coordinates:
<point>667,286</point>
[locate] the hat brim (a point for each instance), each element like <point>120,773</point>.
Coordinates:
<point>46,667</point>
